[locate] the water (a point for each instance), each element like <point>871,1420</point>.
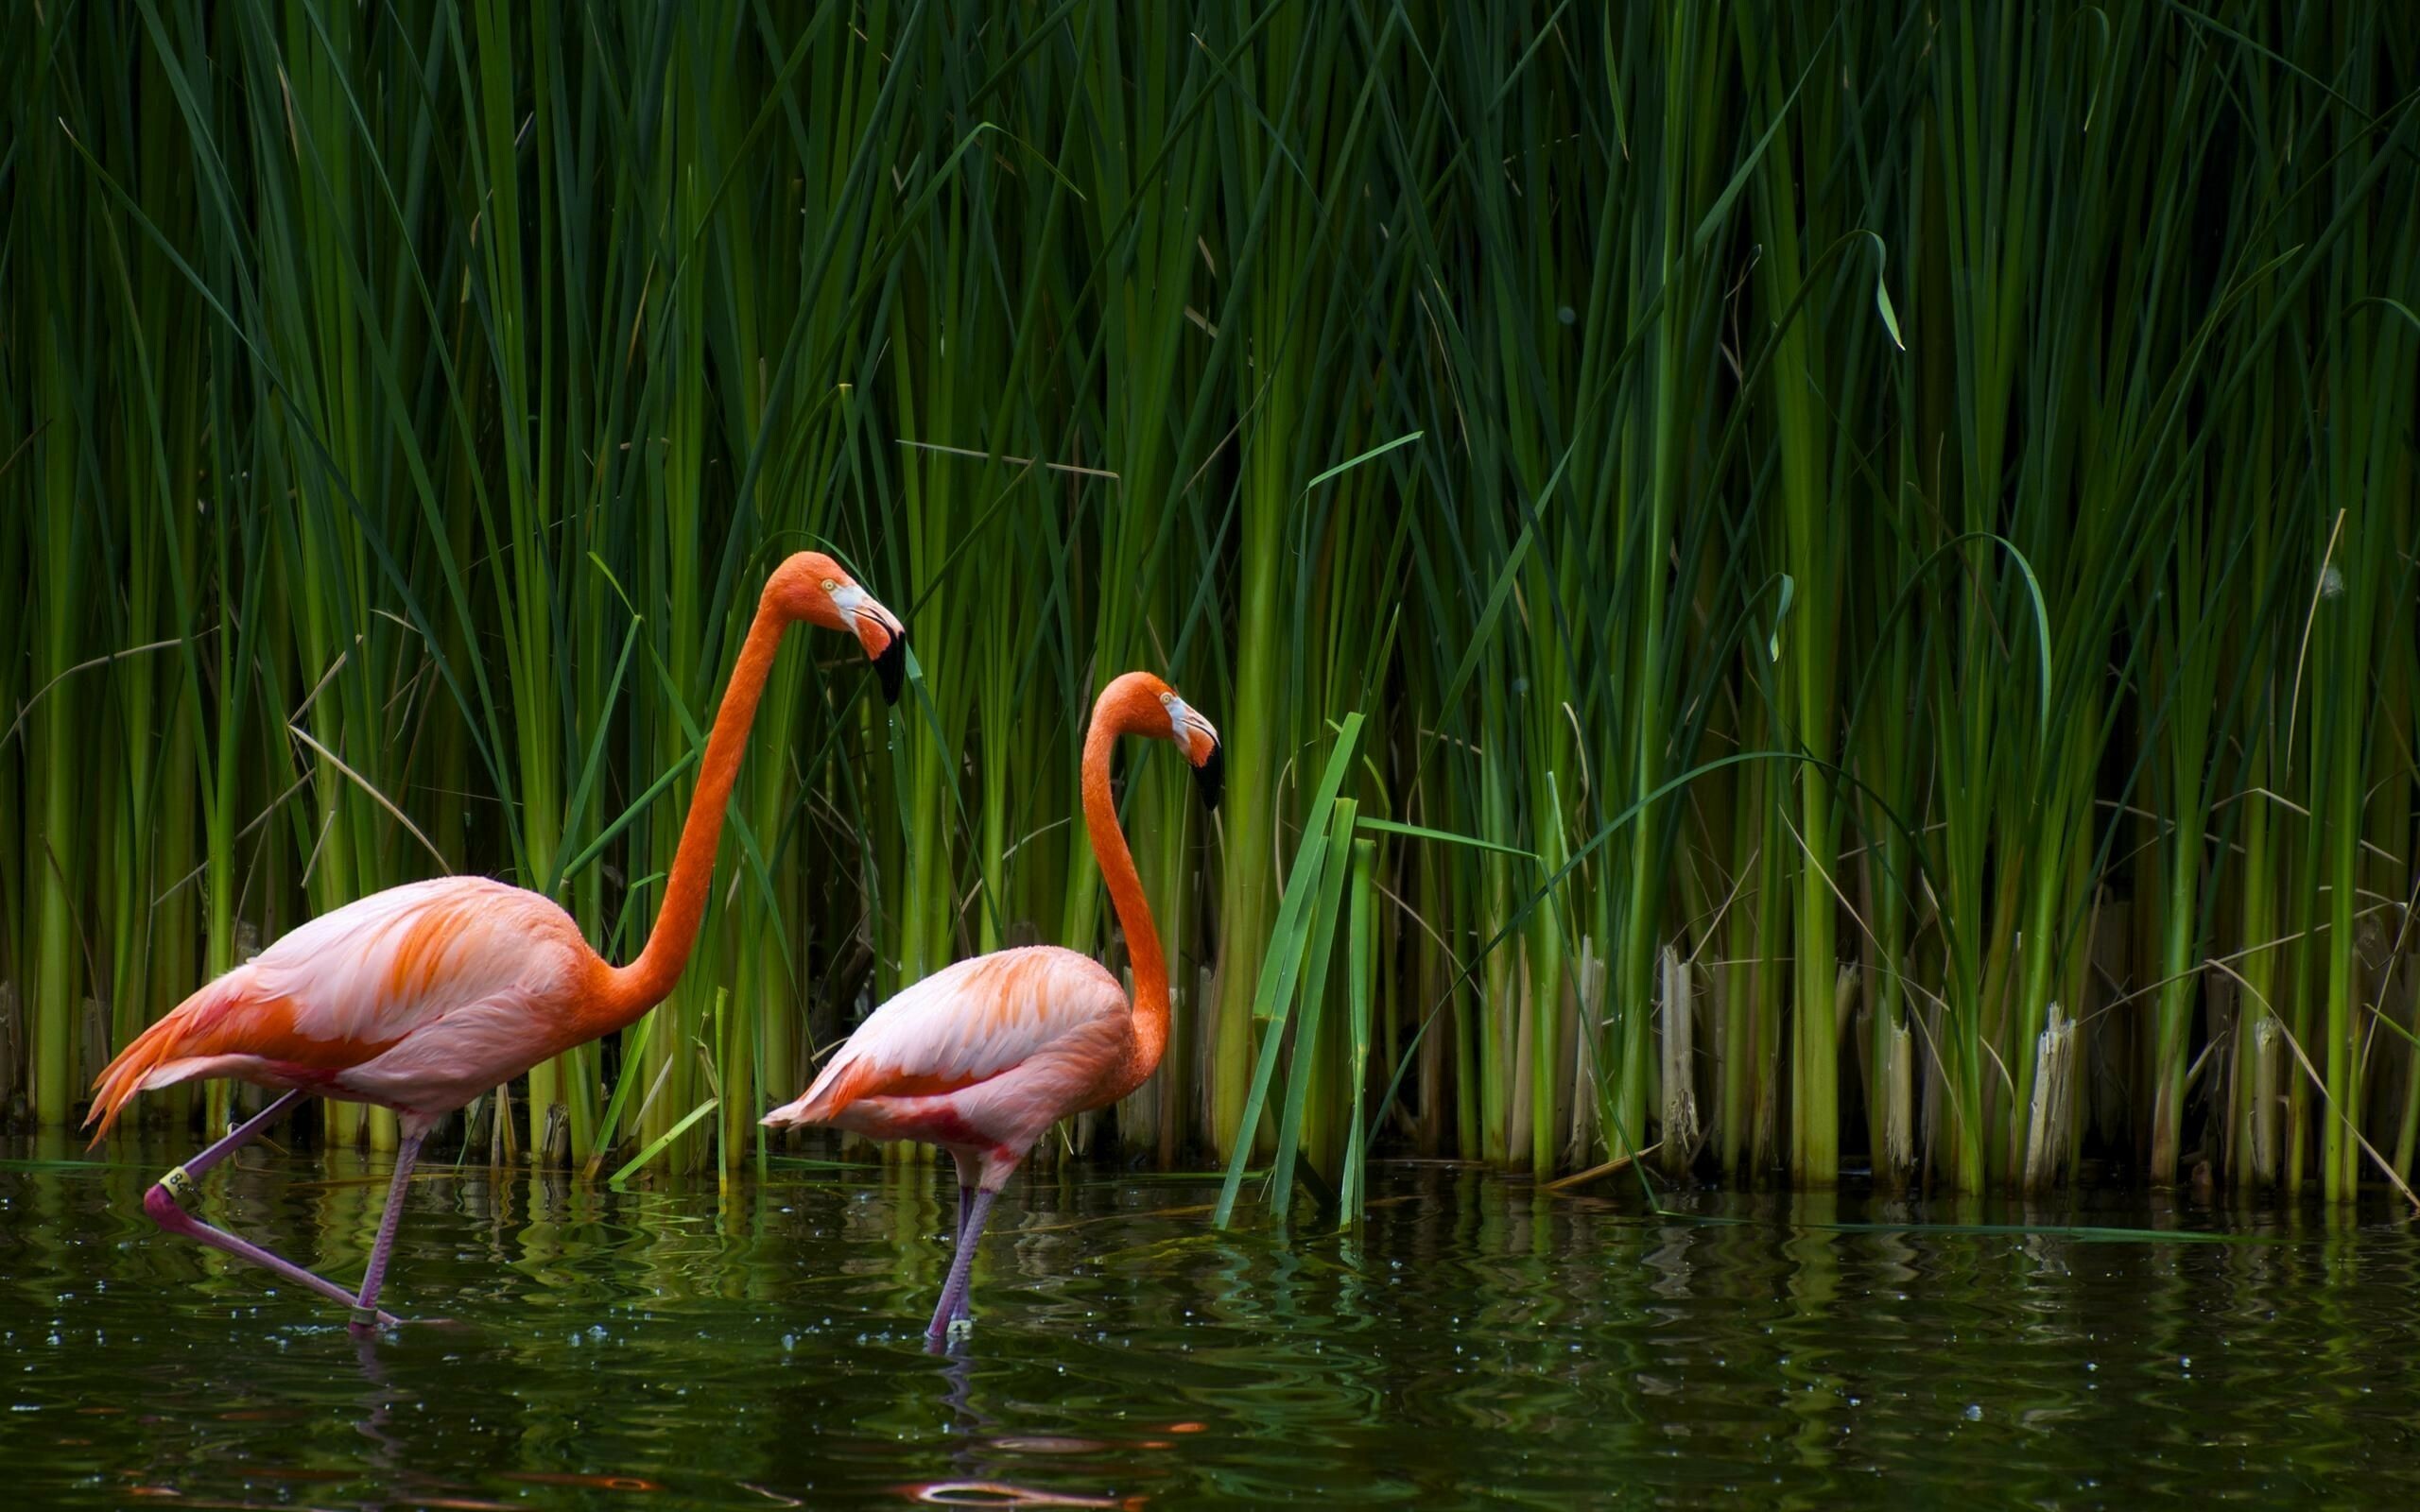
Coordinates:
<point>1482,1343</point>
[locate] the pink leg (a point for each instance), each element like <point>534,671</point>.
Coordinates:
<point>237,1138</point>
<point>969,1177</point>
<point>961,1265</point>
<point>163,1203</point>
<point>366,1315</point>
<point>965,1206</point>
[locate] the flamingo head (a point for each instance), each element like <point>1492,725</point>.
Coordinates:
<point>1198,739</point>
<point>811,586</point>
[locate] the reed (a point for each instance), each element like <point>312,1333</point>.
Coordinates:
<point>1820,589</point>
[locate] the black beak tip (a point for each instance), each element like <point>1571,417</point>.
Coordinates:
<point>892,666</point>
<point>1210,778</point>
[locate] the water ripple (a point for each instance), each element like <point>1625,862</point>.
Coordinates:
<point>1481,1343</point>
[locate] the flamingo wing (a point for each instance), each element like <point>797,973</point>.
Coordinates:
<point>965,1025</point>
<point>353,986</point>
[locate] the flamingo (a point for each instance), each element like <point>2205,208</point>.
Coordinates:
<point>982,1057</point>
<point>423,997</point>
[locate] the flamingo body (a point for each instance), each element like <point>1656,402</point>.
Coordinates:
<point>418,999</point>
<point>980,1059</point>
<point>423,997</point>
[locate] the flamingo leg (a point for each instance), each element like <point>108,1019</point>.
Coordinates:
<point>960,1266</point>
<point>366,1315</point>
<point>237,1137</point>
<point>164,1205</point>
<point>970,1177</point>
<point>965,1205</point>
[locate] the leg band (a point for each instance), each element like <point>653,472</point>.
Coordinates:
<point>178,1185</point>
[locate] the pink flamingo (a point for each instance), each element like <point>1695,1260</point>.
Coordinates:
<point>423,997</point>
<point>981,1058</point>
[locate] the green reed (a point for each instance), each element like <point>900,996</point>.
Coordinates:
<point>1851,566</point>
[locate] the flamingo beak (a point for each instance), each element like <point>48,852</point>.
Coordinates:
<point>890,666</point>
<point>1198,739</point>
<point>879,631</point>
<point>1210,775</point>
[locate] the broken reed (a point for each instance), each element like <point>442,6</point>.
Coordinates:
<point>1871,548</point>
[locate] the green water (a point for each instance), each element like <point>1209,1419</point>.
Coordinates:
<point>1482,1343</point>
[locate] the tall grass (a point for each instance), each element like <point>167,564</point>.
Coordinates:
<point>1808,588</point>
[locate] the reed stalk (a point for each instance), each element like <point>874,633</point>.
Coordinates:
<point>1928,490</point>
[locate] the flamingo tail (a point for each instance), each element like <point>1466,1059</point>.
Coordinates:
<point>150,1060</point>
<point>815,1105</point>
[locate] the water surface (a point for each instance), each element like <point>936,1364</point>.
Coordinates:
<point>1483,1343</point>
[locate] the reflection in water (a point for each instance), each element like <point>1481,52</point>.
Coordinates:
<point>1481,1342</point>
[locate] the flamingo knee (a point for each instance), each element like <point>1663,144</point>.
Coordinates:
<point>161,1206</point>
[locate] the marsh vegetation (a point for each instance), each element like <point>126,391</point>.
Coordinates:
<point>1790,587</point>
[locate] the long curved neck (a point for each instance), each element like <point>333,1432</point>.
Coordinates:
<point>1133,910</point>
<point>631,990</point>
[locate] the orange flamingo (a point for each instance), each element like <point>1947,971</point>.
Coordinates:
<point>422,997</point>
<point>981,1058</point>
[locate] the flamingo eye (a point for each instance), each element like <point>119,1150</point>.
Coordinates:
<point>831,587</point>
